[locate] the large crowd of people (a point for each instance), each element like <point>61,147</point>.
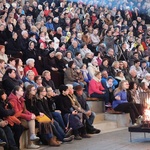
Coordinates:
<point>56,53</point>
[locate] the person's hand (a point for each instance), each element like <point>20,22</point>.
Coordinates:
<point>64,69</point>
<point>103,92</point>
<point>52,121</point>
<point>74,112</point>
<point>41,114</point>
<point>3,123</point>
<point>33,116</point>
<point>117,98</point>
<point>58,111</point>
<point>88,113</point>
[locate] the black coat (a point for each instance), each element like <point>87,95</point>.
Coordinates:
<point>9,84</point>
<point>13,47</point>
<point>42,106</point>
<point>9,111</point>
<point>48,83</point>
<point>63,103</point>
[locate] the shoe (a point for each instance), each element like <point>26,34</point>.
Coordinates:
<point>94,131</point>
<point>33,146</point>
<point>68,139</point>
<point>85,136</point>
<point>68,132</point>
<point>2,143</point>
<point>108,105</point>
<point>97,131</point>
<point>77,137</point>
<point>135,124</point>
<point>59,142</point>
<point>33,137</point>
<point>54,142</point>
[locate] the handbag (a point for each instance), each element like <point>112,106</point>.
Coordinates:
<point>43,119</point>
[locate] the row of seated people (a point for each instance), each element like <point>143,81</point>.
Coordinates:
<point>71,76</point>
<point>69,115</point>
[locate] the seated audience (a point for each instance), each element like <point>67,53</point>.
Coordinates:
<point>46,133</point>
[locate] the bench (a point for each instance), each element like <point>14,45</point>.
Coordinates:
<point>122,119</point>
<point>96,104</point>
<point>138,128</point>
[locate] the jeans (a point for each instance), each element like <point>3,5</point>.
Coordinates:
<point>7,136</point>
<point>103,96</point>
<point>58,131</point>
<point>57,116</point>
<point>89,121</point>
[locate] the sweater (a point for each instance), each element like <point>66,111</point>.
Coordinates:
<point>123,98</point>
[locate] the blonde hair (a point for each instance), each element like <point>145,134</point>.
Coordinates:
<point>120,87</point>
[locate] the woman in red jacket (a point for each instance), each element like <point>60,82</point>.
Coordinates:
<point>96,88</point>
<point>18,104</point>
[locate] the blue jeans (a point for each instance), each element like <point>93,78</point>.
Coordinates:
<point>7,136</point>
<point>58,131</point>
<point>57,116</point>
<point>91,118</point>
<point>103,96</point>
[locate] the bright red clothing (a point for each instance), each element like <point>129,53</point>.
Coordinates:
<point>26,68</point>
<point>19,107</point>
<point>95,87</point>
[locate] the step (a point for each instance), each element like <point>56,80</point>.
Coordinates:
<point>106,125</point>
<point>122,120</point>
<point>99,117</point>
<point>96,106</point>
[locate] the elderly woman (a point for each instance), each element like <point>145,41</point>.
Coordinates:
<point>29,79</point>
<point>115,68</point>
<point>30,66</point>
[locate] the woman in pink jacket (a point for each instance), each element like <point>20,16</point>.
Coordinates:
<point>96,88</point>
<point>18,104</point>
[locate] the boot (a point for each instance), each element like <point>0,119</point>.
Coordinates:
<point>53,142</point>
<point>55,139</point>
